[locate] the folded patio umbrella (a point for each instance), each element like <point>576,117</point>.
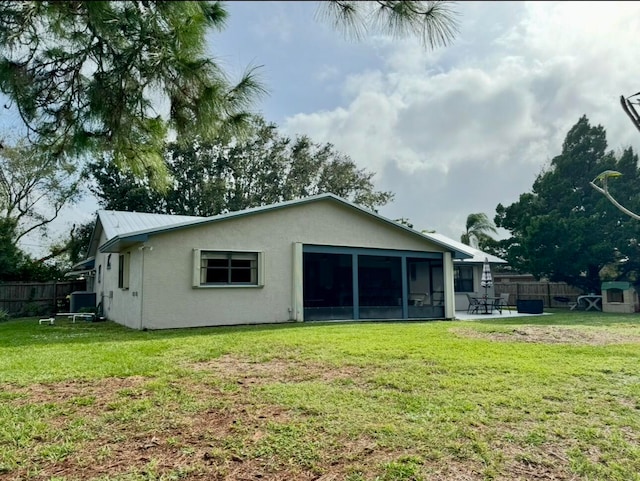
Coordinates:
<point>486,280</point>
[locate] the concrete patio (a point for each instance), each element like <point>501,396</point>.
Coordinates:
<point>464,316</point>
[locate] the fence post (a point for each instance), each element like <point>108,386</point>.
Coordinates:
<point>549,294</point>
<point>55,296</point>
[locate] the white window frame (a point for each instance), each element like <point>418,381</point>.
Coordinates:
<point>197,256</point>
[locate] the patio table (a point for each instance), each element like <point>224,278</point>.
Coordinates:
<point>592,301</point>
<point>486,302</point>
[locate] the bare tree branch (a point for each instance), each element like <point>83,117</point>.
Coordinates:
<point>34,188</point>
<point>630,110</point>
<point>604,190</point>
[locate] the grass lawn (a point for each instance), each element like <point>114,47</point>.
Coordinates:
<point>551,397</point>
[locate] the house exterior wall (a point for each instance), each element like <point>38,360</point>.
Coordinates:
<point>461,300</point>
<point>166,266</point>
<point>119,304</point>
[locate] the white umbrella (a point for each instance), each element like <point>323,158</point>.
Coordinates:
<point>486,281</point>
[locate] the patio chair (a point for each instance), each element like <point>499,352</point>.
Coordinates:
<point>474,304</point>
<point>502,302</point>
<point>417,299</point>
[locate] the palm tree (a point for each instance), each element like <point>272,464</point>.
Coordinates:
<point>478,227</point>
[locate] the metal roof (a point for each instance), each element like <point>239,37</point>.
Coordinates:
<point>122,239</point>
<point>477,256</point>
<point>81,268</point>
<point>116,222</point>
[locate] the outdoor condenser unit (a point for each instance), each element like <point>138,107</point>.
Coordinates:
<point>82,299</point>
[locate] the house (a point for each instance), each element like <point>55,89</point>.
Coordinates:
<point>317,258</point>
<point>467,272</point>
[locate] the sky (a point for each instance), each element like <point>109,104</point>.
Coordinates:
<point>452,131</point>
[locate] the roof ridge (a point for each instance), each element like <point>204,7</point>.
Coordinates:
<point>142,234</point>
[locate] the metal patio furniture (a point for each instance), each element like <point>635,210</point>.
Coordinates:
<point>474,304</point>
<point>502,302</point>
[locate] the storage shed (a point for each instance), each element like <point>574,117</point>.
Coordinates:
<point>619,296</point>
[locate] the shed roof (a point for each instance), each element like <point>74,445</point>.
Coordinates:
<point>164,223</point>
<point>622,285</point>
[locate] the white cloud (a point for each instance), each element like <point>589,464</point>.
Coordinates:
<point>470,126</point>
<point>457,130</point>
<point>327,72</point>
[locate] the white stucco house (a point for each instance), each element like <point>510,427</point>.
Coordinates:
<point>317,258</point>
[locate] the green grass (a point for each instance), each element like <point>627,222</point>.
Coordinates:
<point>521,398</point>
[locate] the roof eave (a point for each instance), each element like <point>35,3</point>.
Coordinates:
<point>478,261</point>
<point>88,263</point>
<point>118,243</point>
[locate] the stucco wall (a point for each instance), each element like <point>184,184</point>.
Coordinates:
<point>121,305</point>
<point>169,300</point>
<point>461,300</point>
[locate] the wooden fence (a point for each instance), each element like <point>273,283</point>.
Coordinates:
<point>546,291</point>
<point>37,298</point>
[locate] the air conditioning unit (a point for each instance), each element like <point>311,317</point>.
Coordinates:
<point>82,299</point>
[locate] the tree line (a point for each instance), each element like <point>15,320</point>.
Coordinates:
<point>85,78</point>
<point>562,229</point>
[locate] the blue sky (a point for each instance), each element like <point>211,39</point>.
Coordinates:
<point>452,131</point>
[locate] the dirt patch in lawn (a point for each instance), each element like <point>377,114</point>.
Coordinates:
<point>211,445</point>
<point>552,335</point>
<point>196,428</point>
<point>277,370</point>
<point>75,392</point>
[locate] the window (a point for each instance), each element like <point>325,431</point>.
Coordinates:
<point>109,262</point>
<point>615,295</point>
<point>99,273</point>
<point>463,278</point>
<point>123,270</point>
<point>218,268</point>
